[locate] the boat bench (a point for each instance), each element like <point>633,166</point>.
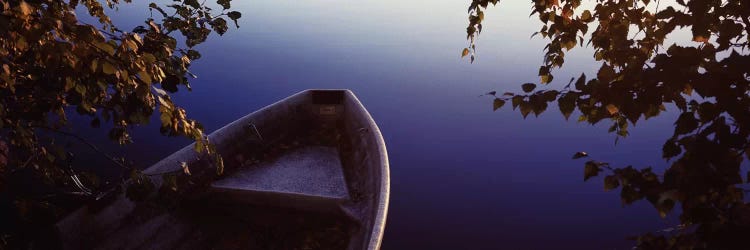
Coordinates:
<point>307,178</point>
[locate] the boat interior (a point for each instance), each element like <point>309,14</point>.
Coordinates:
<point>299,175</point>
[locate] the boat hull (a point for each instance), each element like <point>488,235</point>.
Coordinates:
<point>363,162</point>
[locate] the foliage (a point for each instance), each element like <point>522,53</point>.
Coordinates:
<point>52,62</point>
<point>639,75</point>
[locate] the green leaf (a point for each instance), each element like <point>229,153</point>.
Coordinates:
<point>528,87</point>
<point>498,103</point>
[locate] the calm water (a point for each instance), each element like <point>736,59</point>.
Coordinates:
<point>462,176</point>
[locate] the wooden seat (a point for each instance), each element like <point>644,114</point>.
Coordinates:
<point>309,178</point>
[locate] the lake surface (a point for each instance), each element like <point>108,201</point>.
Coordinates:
<point>462,176</point>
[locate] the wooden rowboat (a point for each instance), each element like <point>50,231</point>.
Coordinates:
<point>310,171</point>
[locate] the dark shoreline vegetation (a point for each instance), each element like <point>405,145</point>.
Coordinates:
<point>54,65</point>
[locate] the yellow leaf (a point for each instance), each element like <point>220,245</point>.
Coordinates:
<point>700,39</point>
<point>94,65</point>
<point>465,52</point>
<point>688,89</point>
<point>545,79</point>
<point>570,44</point>
<point>149,58</point>
<point>145,77</point>
<point>130,45</point>
<point>69,83</point>
<point>185,167</point>
<point>612,109</point>
<point>164,102</point>
<point>137,38</point>
<point>586,16</point>
<point>160,91</point>
<point>106,47</point>
<point>21,43</point>
<point>219,165</point>
<point>25,8</point>
<point>185,59</point>
<point>108,68</point>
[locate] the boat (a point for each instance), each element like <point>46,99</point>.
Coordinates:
<point>307,172</point>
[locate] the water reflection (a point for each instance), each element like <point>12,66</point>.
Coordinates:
<point>706,82</point>
<point>462,176</point>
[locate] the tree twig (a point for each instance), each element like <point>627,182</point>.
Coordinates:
<point>92,146</point>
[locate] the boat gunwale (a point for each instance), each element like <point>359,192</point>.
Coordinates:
<point>164,164</point>
<point>375,235</point>
<point>381,213</point>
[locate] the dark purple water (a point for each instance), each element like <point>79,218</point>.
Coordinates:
<point>462,176</point>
